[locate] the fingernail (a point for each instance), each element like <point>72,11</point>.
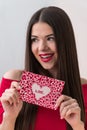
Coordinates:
<point>55,106</point>
<point>19,87</point>
<point>61,117</point>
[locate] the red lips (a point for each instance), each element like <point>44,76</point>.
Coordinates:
<point>46,57</point>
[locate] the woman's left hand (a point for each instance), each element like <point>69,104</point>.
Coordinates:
<point>69,110</point>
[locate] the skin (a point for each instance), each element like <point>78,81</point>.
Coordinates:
<point>43,45</point>
<point>12,105</point>
<point>43,42</point>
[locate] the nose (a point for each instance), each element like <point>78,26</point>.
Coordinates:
<point>42,45</point>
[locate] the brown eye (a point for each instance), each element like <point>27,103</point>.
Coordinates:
<point>51,38</point>
<point>34,40</point>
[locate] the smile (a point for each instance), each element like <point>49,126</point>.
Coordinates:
<point>46,57</point>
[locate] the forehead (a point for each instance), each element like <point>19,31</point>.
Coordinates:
<point>41,28</point>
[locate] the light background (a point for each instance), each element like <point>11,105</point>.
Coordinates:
<point>14,17</point>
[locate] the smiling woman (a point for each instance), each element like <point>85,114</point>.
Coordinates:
<point>44,47</point>
<point>50,51</point>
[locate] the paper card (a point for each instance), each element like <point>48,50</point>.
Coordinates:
<point>40,90</point>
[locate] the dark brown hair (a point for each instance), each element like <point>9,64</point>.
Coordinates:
<point>68,69</point>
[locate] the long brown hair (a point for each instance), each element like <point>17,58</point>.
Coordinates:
<point>68,69</point>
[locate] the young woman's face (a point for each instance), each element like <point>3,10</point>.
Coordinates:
<point>43,45</point>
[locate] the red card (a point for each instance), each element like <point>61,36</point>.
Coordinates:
<point>40,90</point>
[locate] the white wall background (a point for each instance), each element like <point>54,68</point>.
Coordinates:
<point>14,17</point>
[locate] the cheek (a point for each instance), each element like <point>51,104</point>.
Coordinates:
<point>53,48</point>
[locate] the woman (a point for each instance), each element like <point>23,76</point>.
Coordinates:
<point>50,51</point>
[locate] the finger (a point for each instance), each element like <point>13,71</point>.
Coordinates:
<point>61,99</point>
<point>15,85</point>
<point>7,100</point>
<point>67,102</point>
<point>68,110</point>
<point>12,95</point>
<point>73,111</point>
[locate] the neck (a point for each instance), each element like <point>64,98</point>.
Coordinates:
<point>53,72</point>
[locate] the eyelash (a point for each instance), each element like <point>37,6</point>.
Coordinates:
<point>34,39</point>
<point>48,39</point>
<point>51,38</point>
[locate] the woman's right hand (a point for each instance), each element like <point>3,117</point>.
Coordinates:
<point>11,101</point>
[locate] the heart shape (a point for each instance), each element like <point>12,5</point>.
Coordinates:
<point>40,91</point>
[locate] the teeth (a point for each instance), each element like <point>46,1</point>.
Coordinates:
<point>47,56</point>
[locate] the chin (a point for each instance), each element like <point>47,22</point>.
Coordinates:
<point>47,67</point>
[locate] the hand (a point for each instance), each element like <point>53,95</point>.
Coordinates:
<point>11,101</point>
<point>69,110</point>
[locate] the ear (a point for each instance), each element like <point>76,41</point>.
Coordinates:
<point>83,81</point>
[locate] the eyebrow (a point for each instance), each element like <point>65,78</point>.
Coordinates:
<point>49,35</point>
<point>45,36</point>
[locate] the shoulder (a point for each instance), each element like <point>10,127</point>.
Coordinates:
<point>13,74</point>
<point>83,81</point>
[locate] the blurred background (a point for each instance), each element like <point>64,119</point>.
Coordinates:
<point>14,17</point>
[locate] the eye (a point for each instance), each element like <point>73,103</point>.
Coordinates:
<point>34,39</point>
<point>51,38</point>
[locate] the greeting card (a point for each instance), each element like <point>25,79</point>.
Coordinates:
<point>40,90</point>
